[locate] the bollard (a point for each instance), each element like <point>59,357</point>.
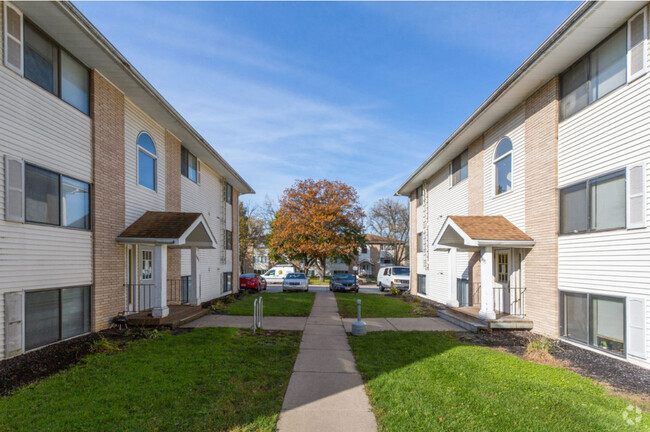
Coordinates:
<point>358,327</point>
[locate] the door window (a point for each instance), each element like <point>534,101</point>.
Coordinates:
<point>147,264</point>
<point>502,267</point>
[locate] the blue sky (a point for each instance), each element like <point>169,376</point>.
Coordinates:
<point>358,92</point>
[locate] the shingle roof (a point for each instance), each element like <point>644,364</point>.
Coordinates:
<point>374,238</point>
<point>160,225</point>
<point>489,228</point>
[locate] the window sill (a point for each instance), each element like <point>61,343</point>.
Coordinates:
<point>595,232</point>
<point>145,188</point>
<point>451,186</point>
<point>496,196</point>
<point>57,226</point>
<point>590,347</point>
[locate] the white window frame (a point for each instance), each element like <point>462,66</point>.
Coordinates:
<point>147,250</point>
<point>494,167</point>
<point>21,41</point>
<point>642,72</point>
<point>155,162</point>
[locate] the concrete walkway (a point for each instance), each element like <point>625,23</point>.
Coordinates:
<point>325,392</point>
<point>240,321</point>
<point>404,324</point>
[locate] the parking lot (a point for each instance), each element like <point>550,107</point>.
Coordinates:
<point>365,289</point>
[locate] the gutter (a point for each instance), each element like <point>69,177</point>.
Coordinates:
<point>536,55</point>
<point>92,31</point>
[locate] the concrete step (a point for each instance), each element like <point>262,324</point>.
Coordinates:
<point>468,323</point>
<point>189,318</point>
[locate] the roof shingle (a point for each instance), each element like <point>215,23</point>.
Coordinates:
<point>489,228</point>
<point>160,225</point>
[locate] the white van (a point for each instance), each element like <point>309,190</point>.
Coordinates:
<point>394,277</point>
<point>278,273</point>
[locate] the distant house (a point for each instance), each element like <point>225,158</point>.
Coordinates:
<point>378,252</point>
<point>257,259</point>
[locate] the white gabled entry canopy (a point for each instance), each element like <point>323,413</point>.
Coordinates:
<point>174,229</point>
<point>474,232</point>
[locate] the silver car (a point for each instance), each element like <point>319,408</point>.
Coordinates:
<point>295,282</point>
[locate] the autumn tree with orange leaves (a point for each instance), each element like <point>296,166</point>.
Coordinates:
<point>316,220</point>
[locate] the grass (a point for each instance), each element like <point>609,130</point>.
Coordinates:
<point>219,379</point>
<point>275,304</point>
<point>429,381</point>
<point>376,306</point>
<point>315,280</point>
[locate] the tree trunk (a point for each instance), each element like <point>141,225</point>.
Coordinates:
<point>322,272</point>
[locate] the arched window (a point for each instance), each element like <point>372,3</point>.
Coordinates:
<point>503,166</point>
<point>147,161</point>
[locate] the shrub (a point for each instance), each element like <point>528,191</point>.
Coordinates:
<point>393,291</point>
<point>539,344</point>
<point>417,299</point>
<point>103,345</point>
<point>154,334</point>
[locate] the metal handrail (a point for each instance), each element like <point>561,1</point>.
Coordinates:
<point>258,313</point>
<point>140,296</point>
<point>510,300</point>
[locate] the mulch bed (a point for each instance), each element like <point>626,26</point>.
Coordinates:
<point>35,365</point>
<point>621,376</point>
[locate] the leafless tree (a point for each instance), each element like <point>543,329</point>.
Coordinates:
<point>390,218</point>
<point>251,232</point>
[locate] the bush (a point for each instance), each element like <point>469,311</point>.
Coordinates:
<point>417,299</point>
<point>393,291</point>
<point>539,344</point>
<point>154,334</point>
<point>103,345</point>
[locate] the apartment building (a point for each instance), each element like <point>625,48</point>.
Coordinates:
<point>111,202</point>
<point>534,212</point>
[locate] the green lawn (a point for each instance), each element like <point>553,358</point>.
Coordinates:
<point>376,306</point>
<point>421,381</point>
<point>315,280</point>
<point>275,304</point>
<point>217,379</point>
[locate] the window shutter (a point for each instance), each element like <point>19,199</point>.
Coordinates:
<point>13,323</point>
<point>636,45</point>
<point>636,327</point>
<point>198,171</point>
<point>636,212</point>
<point>13,38</point>
<point>14,190</point>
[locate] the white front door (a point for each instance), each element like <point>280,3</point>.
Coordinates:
<point>147,283</point>
<point>502,270</point>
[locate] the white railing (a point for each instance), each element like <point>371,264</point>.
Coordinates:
<point>258,313</point>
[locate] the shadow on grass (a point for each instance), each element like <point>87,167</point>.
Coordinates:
<point>430,381</point>
<point>219,379</point>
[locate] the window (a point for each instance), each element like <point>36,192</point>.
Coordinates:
<point>54,315</point>
<point>419,194</point>
<point>419,243</point>
<point>188,165</point>
<point>147,160</point>
<point>228,242</point>
<point>55,199</point>
<point>227,282</point>
<point>41,196</point>
<point>47,65</point>
<point>598,73</point>
<point>503,166</point>
<point>595,320</point>
<point>75,203</point>
<point>459,168</point>
<point>364,250</point>
<point>598,204</point>
<point>228,193</point>
<point>422,284</point>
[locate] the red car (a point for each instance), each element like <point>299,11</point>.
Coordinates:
<point>251,281</point>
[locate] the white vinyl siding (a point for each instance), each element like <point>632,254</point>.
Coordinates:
<point>441,202</point>
<point>139,199</point>
<point>611,134</point>
<point>207,199</point>
<point>509,204</point>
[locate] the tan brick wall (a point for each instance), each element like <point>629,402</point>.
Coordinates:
<point>542,208</point>
<point>107,108</point>
<point>173,198</point>
<point>413,241</point>
<point>475,197</point>
<point>235,240</point>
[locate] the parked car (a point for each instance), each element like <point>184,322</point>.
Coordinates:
<point>251,281</point>
<point>278,273</point>
<point>344,282</point>
<point>295,282</point>
<point>394,277</point>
